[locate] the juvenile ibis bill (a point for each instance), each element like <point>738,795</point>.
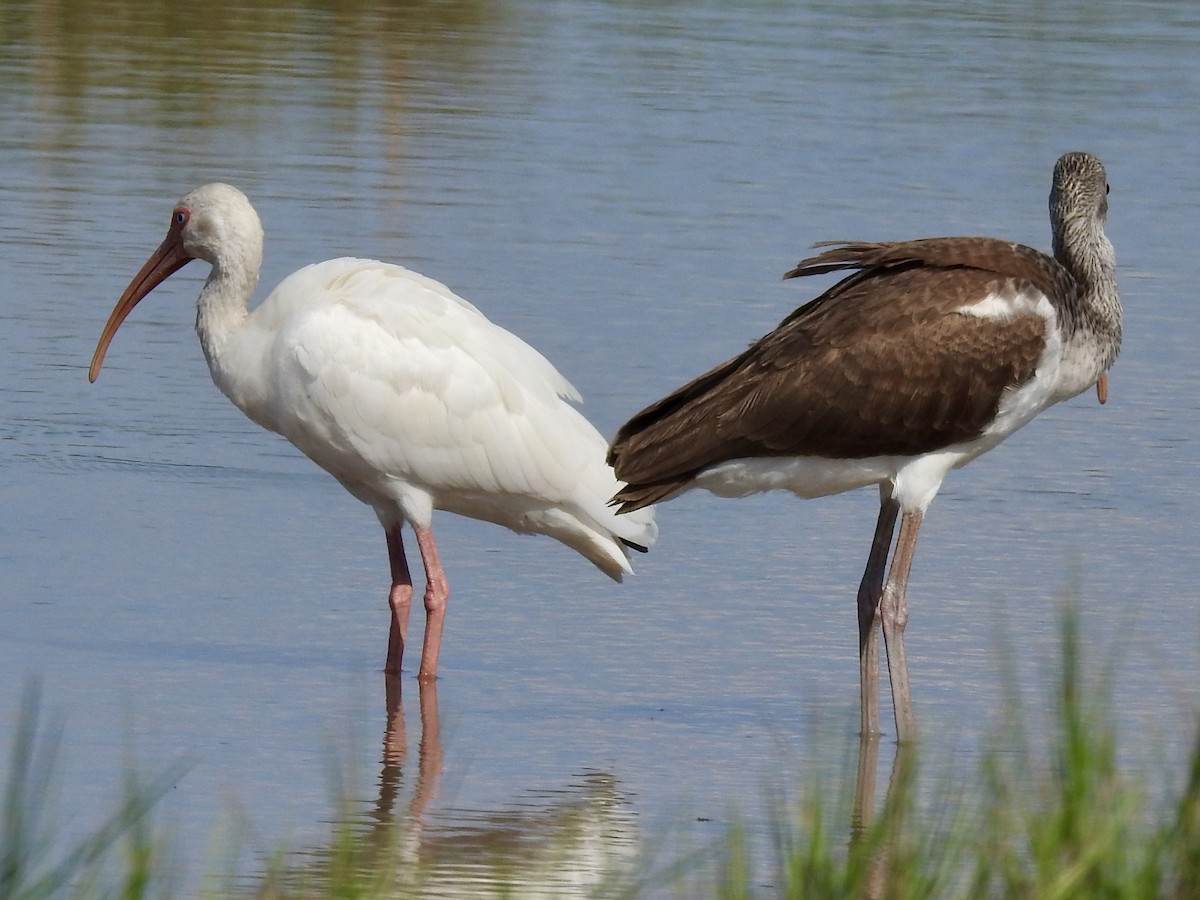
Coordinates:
<point>404,392</point>
<point>929,354</point>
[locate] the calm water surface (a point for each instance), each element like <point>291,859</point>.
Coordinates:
<point>622,186</point>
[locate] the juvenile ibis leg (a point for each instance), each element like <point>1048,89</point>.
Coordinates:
<point>893,611</point>
<point>870,592</point>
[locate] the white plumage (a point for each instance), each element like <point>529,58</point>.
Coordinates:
<point>403,391</point>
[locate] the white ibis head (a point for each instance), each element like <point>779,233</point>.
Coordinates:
<point>215,223</point>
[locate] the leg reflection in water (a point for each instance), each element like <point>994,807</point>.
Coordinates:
<point>574,840</point>
<point>865,836</point>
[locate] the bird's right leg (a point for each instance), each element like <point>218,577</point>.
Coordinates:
<point>399,599</point>
<point>437,593</point>
<point>870,592</point>
<point>893,611</point>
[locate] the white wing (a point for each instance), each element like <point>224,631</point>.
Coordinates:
<point>414,400</point>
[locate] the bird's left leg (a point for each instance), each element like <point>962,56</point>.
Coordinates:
<point>399,599</point>
<point>893,610</point>
<point>437,593</point>
<point>869,593</point>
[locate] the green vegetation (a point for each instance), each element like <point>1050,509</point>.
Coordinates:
<point>124,857</point>
<point>1057,821</point>
<point>1065,823</point>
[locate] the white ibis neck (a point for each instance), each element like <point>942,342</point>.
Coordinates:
<point>221,310</point>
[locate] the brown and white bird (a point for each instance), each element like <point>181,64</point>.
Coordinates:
<point>929,354</point>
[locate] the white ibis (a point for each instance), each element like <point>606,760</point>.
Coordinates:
<point>929,354</point>
<point>404,392</point>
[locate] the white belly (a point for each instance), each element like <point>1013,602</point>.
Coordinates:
<point>912,480</point>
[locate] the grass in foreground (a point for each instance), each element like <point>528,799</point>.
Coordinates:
<point>1064,822</point>
<point>1061,821</point>
<point>124,857</point>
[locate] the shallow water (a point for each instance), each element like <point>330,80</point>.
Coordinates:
<point>622,186</point>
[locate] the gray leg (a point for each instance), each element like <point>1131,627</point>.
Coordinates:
<point>870,591</point>
<point>893,610</point>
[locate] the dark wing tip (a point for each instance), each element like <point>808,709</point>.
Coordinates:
<point>637,496</point>
<point>837,256</point>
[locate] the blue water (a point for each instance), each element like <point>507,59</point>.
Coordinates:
<point>623,186</point>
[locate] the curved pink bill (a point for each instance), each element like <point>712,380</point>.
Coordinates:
<point>1102,388</point>
<point>167,259</point>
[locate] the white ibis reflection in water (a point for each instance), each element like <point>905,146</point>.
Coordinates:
<point>404,392</point>
<point>930,353</point>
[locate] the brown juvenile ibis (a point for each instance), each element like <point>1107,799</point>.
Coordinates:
<point>930,353</point>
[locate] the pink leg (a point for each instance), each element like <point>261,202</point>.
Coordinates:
<point>870,591</point>
<point>437,593</point>
<point>399,599</point>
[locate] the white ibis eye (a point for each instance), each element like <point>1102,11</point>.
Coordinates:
<point>180,217</point>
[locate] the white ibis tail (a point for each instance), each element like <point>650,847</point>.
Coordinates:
<point>929,354</point>
<point>404,392</point>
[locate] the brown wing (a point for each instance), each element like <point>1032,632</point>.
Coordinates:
<point>881,364</point>
<point>1002,258</point>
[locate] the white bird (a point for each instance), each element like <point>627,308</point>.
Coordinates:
<point>404,392</point>
<point>929,354</point>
